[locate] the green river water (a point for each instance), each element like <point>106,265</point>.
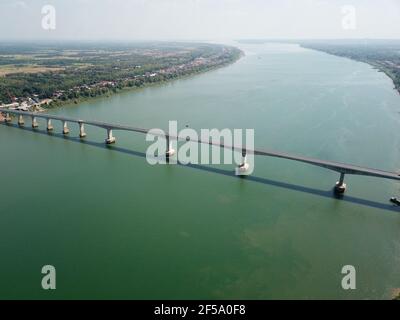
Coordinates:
<point>116,227</point>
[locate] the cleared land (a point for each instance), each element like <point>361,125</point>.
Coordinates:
<point>82,70</point>
<point>12,69</point>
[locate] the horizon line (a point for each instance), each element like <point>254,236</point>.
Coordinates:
<point>193,40</point>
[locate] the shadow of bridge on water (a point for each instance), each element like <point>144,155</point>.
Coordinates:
<point>229,173</point>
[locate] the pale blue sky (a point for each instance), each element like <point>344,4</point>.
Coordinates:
<point>198,19</point>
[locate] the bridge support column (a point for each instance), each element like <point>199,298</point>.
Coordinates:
<point>110,138</point>
<point>65,127</point>
<point>49,125</point>
<point>34,123</point>
<point>82,132</point>
<point>340,186</point>
<point>21,121</point>
<point>170,151</point>
<point>244,166</point>
<point>8,118</point>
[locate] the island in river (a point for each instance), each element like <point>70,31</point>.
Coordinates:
<point>37,76</point>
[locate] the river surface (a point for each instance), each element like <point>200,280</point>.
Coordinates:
<point>115,227</point>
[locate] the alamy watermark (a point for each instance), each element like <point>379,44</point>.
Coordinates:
<point>236,146</point>
<point>49,280</point>
<point>49,17</point>
<point>349,280</point>
<point>349,20</point>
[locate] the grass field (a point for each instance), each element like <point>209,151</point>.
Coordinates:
<point>10,69</point>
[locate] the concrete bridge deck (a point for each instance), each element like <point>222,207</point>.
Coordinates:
<point>341,168</point>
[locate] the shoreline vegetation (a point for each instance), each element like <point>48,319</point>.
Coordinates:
<point>382,55</point>
<point>61,103</point>
<point>40,77</point>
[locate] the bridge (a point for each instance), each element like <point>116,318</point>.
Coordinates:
<point>341,168</point>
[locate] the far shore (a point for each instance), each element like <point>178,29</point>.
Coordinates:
<point>76,101</point>
<point>72,102</point>
<point>375,66</point>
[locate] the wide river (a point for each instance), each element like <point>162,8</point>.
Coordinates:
<point>116,227</point>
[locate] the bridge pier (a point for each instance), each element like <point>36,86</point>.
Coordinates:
<point>340,186</point>
<point>110,138</point>
<point>82,132</point>
<point>170,151</point>
<point>34,122</point>
<point>8,118</point>
<point>49,125</point>
<point>21,121</point>
<point>65,127</point>
<point>244,166</point>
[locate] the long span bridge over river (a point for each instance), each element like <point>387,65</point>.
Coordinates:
<point>341,168</point>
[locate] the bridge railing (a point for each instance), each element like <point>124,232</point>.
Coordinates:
<point>341,168</point>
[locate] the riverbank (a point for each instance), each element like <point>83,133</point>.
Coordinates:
<point>387,72</point>
<point>381,56</point>
<point>62,103</point>
<point>92,70</point>
<point>396,294</point>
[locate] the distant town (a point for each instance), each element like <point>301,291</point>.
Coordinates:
<point>34,103</point>
<point>43,76</point>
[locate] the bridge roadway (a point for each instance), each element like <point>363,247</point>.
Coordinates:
<point>331,165</point>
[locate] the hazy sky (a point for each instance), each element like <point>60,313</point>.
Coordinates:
<point>201,19</point>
